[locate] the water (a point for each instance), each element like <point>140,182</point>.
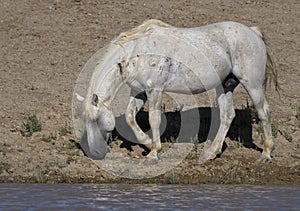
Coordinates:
<point>147,197</point>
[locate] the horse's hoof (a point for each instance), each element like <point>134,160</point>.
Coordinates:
<point>265,159</point>
<point>151,161</point>
<point>205,156</point>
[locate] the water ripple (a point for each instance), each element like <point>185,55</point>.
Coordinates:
<point>150,197</point>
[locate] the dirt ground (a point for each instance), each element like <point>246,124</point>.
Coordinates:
<point>45,44</point>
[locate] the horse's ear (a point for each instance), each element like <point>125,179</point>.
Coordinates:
<point>95,100</point>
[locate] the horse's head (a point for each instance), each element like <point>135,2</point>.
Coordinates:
<point>99,120</point>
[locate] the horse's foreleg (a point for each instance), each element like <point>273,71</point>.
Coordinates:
<point>227,114</point>
<point>134,105</point>
<point>154,99</point>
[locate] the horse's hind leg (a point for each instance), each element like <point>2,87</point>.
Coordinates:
<point>227,113</point>
<point>136,102</point>
<point>258,97</point>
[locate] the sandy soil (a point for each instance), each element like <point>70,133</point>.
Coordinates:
<point>45,44</point>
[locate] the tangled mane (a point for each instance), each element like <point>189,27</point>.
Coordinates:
<point>140,31</point>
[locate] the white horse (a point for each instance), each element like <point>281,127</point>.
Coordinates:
<point>156,57</point>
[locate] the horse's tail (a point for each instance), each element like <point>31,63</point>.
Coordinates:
<point>271,74</point>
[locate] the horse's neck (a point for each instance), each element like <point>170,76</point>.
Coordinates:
<point>107,85</point>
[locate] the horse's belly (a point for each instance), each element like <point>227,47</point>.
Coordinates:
<point>192,82</point>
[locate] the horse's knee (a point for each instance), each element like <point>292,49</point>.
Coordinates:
<point>267,111</point>
<point>130,119</point>
<point>129,116</point>
<point>155,118</point>
<point>230,112</point>
<point>264,114</point>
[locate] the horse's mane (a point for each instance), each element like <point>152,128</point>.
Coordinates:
<point>140,31</point>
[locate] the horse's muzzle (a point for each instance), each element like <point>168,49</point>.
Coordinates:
<point>93,142</point>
